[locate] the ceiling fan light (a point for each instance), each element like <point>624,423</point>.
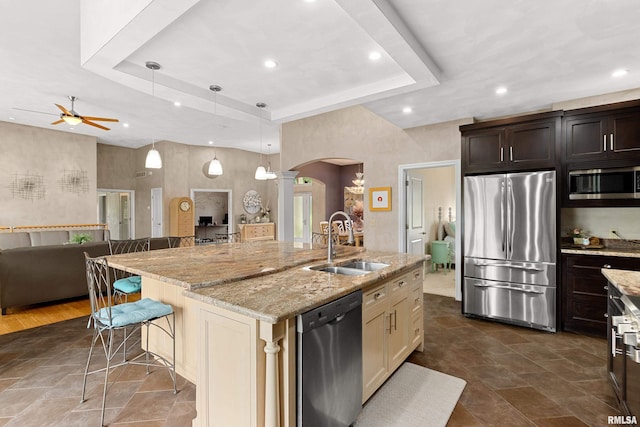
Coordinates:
<point>153,160</point>
<point>215,167</point>
<point>72,120</point>
<point>261,173</point>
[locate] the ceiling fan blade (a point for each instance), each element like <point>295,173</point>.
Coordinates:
<point>87,122</point>
<point>34,111</point>
<point>64,110</point>
<point>100,119</point>
<point>57,122</point>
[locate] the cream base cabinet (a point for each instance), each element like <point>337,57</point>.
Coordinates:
<point>392,319</point>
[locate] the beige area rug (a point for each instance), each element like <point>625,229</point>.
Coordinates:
<point>413,397</point>
<point>439,283</point>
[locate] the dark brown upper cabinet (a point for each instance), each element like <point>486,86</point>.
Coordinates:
<point>519,143</point>
<point>610,132</point>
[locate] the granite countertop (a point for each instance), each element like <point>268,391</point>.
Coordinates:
<point>286,294</point>
<point>207,265</point>
<point>585,250</point>
<point>628,282</point>
<point>265,280</point>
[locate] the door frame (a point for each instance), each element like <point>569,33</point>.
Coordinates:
<point>307,208</point>
<point>402,210</point>
<point>157,212</point>
<point>230,225</point>
<point>132,206</point>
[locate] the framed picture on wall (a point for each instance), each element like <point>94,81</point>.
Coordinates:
<point>380,199</point>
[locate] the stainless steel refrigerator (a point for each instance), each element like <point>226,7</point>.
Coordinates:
<point>510,248</point>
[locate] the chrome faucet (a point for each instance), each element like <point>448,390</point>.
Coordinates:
<point>331,252</point>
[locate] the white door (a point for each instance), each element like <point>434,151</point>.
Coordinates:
<point>302,217</point>
<point>156,212</point>
<point>415,214</point>
<point>115,209</point>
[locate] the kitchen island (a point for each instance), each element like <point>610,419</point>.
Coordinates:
<point>236,306</point>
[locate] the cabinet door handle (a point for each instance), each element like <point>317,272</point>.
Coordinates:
<point>604,142</point>
<point>611,141</point>
<point>377,295</point>
<point>401,283</point>
<point>501,154</point>
<point>511,154</point>
<point>606,266</point>
<point>606,315</point>
<point>395,320</point>
<point>606,288</point>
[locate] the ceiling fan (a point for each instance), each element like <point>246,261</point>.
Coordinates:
<point>73,118</point>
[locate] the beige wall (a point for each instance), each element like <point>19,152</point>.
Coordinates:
<point>357,133</point>
<point>30,154</point>
<point>439,192</point>
<point>183,169</point>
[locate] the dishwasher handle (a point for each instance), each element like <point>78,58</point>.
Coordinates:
<point>337,319</point>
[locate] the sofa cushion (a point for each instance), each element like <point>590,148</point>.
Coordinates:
<point>49,238</point>
<point>15,240</point>
<point>128,285</point>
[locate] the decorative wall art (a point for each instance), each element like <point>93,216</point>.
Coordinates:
<point>380,199</point>
<point>252,201</point>
<point>74,181</point>
<point>27,186</point>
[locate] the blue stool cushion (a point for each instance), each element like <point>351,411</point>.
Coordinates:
<point>133,312</point>
<point>128,285</point>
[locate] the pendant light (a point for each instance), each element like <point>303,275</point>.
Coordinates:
<point>261,172</point>
<point>270,174</point>
<point>153,160</point>
<point>215,167</point>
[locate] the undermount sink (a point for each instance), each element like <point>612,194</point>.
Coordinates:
<point>339,270</point>
<point>365,265</point>
<point>351,268</point>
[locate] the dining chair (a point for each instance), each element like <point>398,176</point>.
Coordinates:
<point>338,227</point>
<point>125,283</point>
<point>324,227</point>
<point>227,237</point>
<point>321,240</point>
<point>348,225</point>
<point>181,241</point>
<point>130,318</point>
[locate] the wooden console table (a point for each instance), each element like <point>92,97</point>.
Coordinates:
<point>253,232</point>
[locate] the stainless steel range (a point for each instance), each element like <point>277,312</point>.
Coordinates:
<point>624,357</point>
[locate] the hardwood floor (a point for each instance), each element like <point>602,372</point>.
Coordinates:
<point>21,318</point>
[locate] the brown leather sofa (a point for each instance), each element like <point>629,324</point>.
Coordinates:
<point>36,274</point>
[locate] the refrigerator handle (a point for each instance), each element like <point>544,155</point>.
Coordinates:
<point>502,217</point>
<point>509,219</point>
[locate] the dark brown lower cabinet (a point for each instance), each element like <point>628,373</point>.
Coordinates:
<point>584,291</point>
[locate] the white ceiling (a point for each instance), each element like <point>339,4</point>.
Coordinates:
<point>442,58</point>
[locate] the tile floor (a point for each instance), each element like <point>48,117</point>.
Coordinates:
<point>515,377</point>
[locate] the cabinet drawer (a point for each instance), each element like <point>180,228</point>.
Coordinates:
<point>416,278</point>
<point>398,285</point>
<point>373,297</point>
<point>416,301</point>
<point>416,330</point>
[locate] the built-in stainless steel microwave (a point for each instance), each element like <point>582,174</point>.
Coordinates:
<point>614,183</point>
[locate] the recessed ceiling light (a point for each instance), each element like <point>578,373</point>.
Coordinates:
<point>619,73</point>
<point>501,90</point>
<point>407,110</point>
<point>210,142</point>
<point>374,56</point>
<point>12,118</point>
<point>270,63</point>
<point>125,125</point>
<point>177,103</point>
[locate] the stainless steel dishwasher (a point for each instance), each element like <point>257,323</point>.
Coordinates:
<point>329,363</point>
